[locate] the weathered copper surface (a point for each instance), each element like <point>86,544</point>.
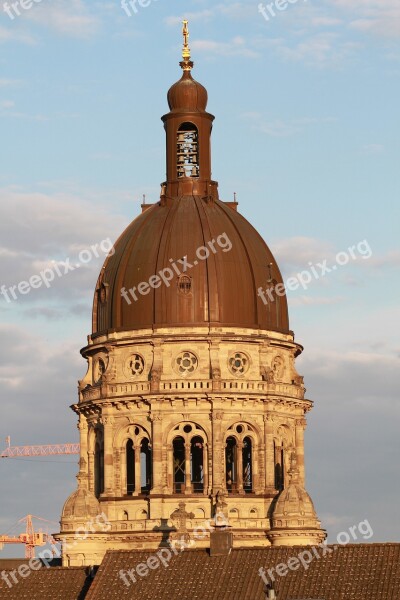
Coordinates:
<point>223,287</point>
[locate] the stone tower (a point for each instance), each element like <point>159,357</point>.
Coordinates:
<point>191,389</point>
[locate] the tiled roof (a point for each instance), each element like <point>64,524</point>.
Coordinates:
<point>352,572</point>
<point>55,583</point>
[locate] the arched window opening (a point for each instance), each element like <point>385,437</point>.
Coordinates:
<point>187,151</point>
<point>197,464</point>
<point>231,464</point>
<point>279,466</point>
<point>145,464</point>
<point>179,465</point>
<point>98,469</point>
<point>130,468</point>
<point>247,452</point>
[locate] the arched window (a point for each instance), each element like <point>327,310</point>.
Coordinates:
<point>247,465</point>
<point>98,466</point>
<point>145,464</point>
<point>231,464</point>
<point>196,462</point>
<point>179,464</point>
<point>187,156</point>
<point>130,468</point>
<point>279,466</point>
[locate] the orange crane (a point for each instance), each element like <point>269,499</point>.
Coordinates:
<point>30,538</point>
<point>46,450</point>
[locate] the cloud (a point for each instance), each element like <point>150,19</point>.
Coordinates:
<point>315,301</point>
<point>373,149</point>
<point>380,18</point>
<point>72,18</point>
<point>40,230</point>
<point>15,35</point>
<point>297,252</point>
<point>280,128</point>
<point>236,47</point>
<point>231,10</point>
<point>322,50</point>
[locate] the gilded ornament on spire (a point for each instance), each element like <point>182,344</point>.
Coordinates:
<point>186,63</point>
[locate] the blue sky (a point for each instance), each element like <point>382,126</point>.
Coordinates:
<point>306,134</point>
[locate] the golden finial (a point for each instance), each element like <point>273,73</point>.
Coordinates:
<point>186,64</point>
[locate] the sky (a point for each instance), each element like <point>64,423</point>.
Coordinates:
<point>306,134</point>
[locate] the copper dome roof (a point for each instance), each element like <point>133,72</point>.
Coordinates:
<point>222,290</point>
<point>187,94</point>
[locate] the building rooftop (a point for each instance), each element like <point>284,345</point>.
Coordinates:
<point>352,572</point>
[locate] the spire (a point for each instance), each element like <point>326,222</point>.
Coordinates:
<point>186,63</point>
<point>188,128</point>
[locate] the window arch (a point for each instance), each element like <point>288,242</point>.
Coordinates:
<point>279,452</point>
<point>247,451</point>
<point>98,464</point>
<point>231,464</point>
<point>187,155</point>
<point>179,464</point>
<point>145,466</point>
<point>135,460</point>
<point>240,468</point>
<point>188,448</point>
<point>196,463</point>
<point>130,468</point>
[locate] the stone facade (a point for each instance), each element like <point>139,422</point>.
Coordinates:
<point>222,388</point>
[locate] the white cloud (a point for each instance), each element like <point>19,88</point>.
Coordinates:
<point>373,148</point>
<point>236,47</point>
<point>37,229</point>
<point>379,17</point>
<point>314,300</point>
<point>72,18</point>
<point>280,128</point>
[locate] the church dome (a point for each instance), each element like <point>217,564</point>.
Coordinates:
<point>221,290</point>
<point>190,259</point>
<point>187,94</point>
<point>81,504</point>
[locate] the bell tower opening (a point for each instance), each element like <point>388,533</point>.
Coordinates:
<point>188,151</point>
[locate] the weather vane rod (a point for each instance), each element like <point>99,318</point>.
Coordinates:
<point>186,64</point>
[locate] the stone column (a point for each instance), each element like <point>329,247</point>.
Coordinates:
<point>239,466</point>
<point>269,454</point>
<point>156,419</point>
<point>138,470</point>
<point>108,423</point>
<point>254,467</point>
<point>84,457</point>
<point>205,469</point>
<point>218,454</point>
<point>300,427</point>
<point>170,471</point>
<point>123,479</point>
<point>188,477</point>
<point>91,472</point>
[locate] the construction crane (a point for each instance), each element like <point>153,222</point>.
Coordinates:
<point>42,450</point>
<point>30,538</point>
